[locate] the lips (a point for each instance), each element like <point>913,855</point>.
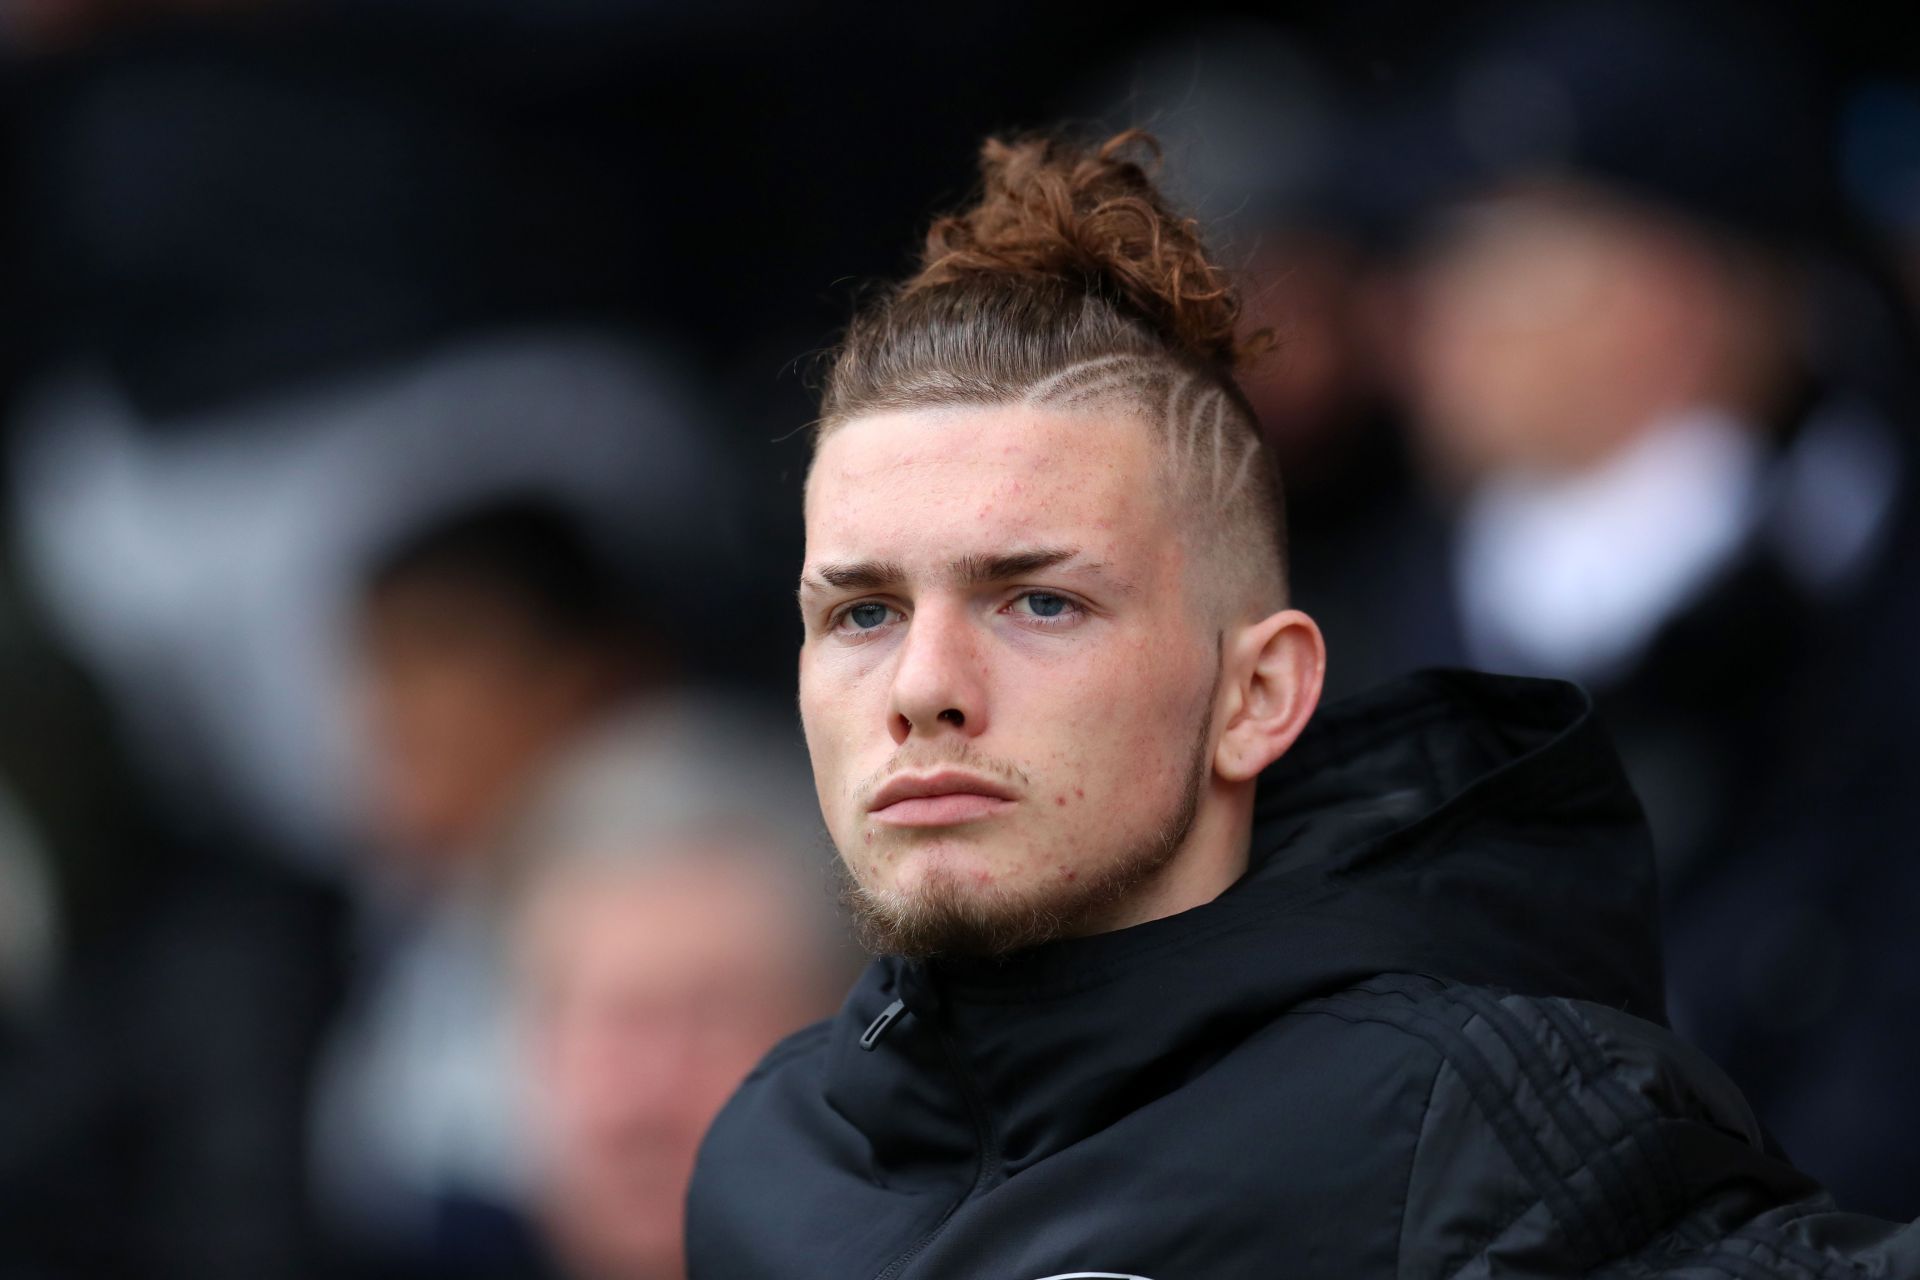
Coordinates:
<point>938,799</point>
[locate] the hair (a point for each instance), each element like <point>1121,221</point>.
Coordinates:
<point>525,547</point>
<point>1070,284</point>
<point>689,778</point>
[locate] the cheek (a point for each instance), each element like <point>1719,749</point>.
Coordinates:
<point>1141,761</point>
<point>843,727</point>
<point>842,684</point>
<point>828,701</point>
<point>1123,747</point>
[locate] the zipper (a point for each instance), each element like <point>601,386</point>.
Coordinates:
<point>988,1166</point>
<point>878,1027</point>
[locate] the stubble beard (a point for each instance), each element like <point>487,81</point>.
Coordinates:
<point>946,917</point>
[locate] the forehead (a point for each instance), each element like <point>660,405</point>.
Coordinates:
<point>679,921</point>
<point>934,482</point>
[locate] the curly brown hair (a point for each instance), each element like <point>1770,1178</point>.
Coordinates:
<point>1094,219</point>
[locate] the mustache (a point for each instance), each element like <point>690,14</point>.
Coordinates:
<point>921,759</point>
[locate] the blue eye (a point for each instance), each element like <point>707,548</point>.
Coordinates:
<point>868,616</point>
<point>1046,607</point>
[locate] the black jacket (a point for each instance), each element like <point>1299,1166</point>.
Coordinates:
<point>1421,1037</point>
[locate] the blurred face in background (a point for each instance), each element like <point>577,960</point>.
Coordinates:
<point>1315,292</point>
<point>466,697</point>
<point>1006,683</point>
<point>650,993</point>
<point>1549,327</point>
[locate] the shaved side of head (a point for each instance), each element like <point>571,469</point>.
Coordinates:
<point>1220,482</point>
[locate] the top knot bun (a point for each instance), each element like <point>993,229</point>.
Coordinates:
<point>1095,220</point>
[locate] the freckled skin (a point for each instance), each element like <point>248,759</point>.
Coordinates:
<point>1103,707</point>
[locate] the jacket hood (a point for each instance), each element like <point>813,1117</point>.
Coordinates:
<point>1471,828</point>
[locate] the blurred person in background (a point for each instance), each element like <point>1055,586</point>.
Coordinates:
<point>491,639</point>
<point>673,922</point>
<point>493,642</point>
<point>292,280</point>
<point>1880,167</point>
<point>1667,424</point>
<point>318,272</point>
<point>160,1005</point>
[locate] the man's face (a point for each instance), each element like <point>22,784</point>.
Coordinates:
<point>464,699</point>
<point>649,995</point>
<point>1547,329</point>
<point>1006,681</point>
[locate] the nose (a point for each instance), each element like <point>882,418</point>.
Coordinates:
<point>939,684</point>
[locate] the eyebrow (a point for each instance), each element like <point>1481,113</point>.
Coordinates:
<point>969,570</point>
<point>974,570</point>
<point>860,575</point>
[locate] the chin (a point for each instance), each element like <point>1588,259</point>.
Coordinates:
<point>949,866</point>
<point>958,903</point>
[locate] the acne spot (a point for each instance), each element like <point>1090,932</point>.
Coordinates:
<point>1080,793</point>
<point>1068,873</point>
<point>1060,800</point>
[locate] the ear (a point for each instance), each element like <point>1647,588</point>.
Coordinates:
<point>1272,671</point>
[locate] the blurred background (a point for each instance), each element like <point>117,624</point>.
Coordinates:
<point>405,837</point>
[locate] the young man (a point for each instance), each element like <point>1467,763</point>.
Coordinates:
<point>1170,983</point>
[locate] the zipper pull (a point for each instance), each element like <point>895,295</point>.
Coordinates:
<point>888,1016</point>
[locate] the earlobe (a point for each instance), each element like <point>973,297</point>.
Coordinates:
<point>1278,665</point>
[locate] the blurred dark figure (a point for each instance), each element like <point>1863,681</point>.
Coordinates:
<point>1665,419</point>
<point>494,642</point>
<point>490,640</point>
<point>672,923</point>
<point>285,279</point>
<point>316,271</point>
<point>1880,165</point>
<point>160,1006</point>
